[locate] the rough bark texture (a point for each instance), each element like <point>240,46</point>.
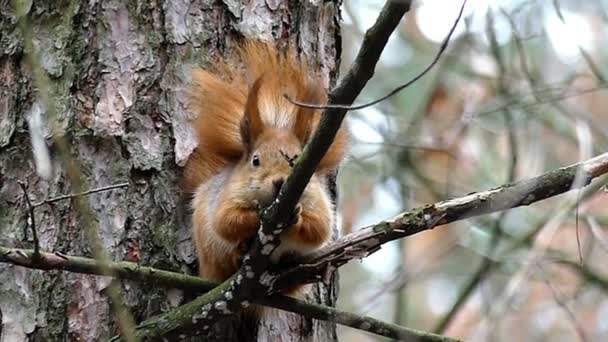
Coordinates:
<point>119,72</point>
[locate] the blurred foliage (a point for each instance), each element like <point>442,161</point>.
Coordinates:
<point>522,87</point>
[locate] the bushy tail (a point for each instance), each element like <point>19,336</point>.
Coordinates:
<point>219,97</point>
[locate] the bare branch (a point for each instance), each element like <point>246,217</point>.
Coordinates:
<point>31,207</point>
<point>484,270</point>
<point>121,270</point>
<point>84,193</point>
<point>253,279</point>
<point>564,306</point>
<point>32,220</point>
<point>512,195</point>
<point>355,245</point>
<point>152,276</point>
<point>368,240</point>
<point>442,49</point>
<point>590,275</point>
<point>365,323</point>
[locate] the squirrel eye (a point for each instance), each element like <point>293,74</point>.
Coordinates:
<point>255,161</point>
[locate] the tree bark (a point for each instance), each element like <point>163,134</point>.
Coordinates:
<point>119,74</point>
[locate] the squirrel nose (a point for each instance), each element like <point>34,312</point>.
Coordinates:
<point>278,183</point>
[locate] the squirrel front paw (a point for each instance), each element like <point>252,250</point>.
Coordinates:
<point>244,246</point>
<point>239,252</point>
<point>295,216</point>
<point>236,259</point>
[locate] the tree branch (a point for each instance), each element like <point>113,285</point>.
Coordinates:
<point>440,52</point>
<point>484,270</point>
<point>368,240</point>
<point>253,279</point>
<point>152,276</point>
<point>32,219</point>
<point>590,275</point>
<point>355,245</point>
<point>365,323</point>
<point>83,193</point>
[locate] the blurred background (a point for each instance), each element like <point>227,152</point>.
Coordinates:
<point>520,91</point>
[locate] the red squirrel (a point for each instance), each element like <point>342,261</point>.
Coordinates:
<point>249,135</point>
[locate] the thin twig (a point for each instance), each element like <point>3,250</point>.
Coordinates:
<point>576,220</point>
<point>562,304</point>
<point>503,302</point>
<point>440,52</point>
<point>365,323</point>
<point>598,234</point>
<point>520,105</point>
<point>442,150</point>
<point>523,56</point>
<point>32,220</point>
<point>590,275</point>
<point>84,193</point>
<point>148,275</point>
<point>484,269</point>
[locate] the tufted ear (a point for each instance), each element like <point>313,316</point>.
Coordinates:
<point>303,125</point>
<point>251,125</point>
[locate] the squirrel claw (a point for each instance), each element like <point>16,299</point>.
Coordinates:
<point>295,218</point>
<point>244,246</point>
<point>256,205</point>
<point>239,252</point>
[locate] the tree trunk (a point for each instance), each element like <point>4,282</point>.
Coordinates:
<point>119,74</point>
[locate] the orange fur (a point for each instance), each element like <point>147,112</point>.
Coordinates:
<point>248,135</point>
<point>219,96</point>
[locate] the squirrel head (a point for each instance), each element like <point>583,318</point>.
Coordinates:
<point>270,152</point>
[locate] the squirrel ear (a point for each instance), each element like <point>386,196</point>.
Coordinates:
<point>302,127</point>
<point>251,124</point>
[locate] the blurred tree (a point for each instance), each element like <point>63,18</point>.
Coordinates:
<point>520,91</point>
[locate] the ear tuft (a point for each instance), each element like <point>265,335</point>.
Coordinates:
<point>251,125</point>
<point>305,117</point>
